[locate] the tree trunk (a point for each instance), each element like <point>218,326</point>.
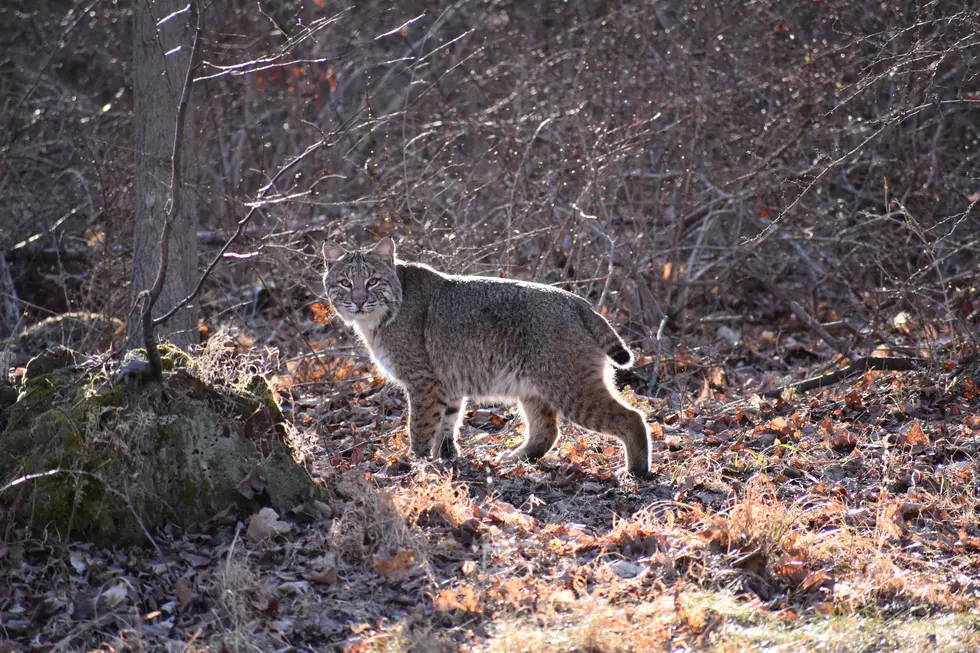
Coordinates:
<point>161,54</point>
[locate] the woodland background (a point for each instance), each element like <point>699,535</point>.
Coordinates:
<point>691,169</point>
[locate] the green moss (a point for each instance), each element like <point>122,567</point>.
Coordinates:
<point>56,358</point>
<point>178,462</point>
<point>259,388</point>
<point>173,358</point>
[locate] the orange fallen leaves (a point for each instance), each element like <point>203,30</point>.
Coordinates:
<point>840,439</point>
<point>780,425</point>
<point>913,437</point>
<point>392,565</point>
<point>322,313</point>
<point>464,599</point>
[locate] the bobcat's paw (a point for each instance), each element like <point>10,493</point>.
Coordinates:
<point>627,477</point>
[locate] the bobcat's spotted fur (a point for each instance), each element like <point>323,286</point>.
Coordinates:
<point>445,338</point>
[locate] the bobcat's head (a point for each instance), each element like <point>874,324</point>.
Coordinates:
<point>362,285</point>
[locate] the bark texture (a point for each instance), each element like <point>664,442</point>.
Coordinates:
<point>161,54</point>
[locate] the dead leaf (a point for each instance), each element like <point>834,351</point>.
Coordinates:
<point>716,376</point>
<point>326,576</point>
<point>295,587</point>
<point>902,322</point>
<point>913,436</point>
<point>265,525</point>
<point>115,595</point>
<point>754,562</point>
<point>841,439</point>
<point>505,513</point>
<point>185,593</point>
<point>195,560</point>
<point>464,599</point>
<point>388,566</point>
<point>563,598</point>
<point>79,561</point>
<point>793,570</point>
<point>625,569</point>
<point>657,432</point>
<point>322,313</point>
<point>814,580</point>
<point>891,519</point>
<point>718,535</point>
<point>83,606</point>
<point>780,425</point>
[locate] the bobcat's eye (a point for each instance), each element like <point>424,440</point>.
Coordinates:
<point>345,283</point>
<point>372,282</point>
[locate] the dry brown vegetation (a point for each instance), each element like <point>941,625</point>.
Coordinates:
<point>691,169</point>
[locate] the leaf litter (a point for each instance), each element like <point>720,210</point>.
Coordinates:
<point>856,499</point>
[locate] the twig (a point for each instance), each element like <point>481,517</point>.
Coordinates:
<point>231,549</point>
<point>593,221</point>
<point>804,317</point>
<point>79,472</point>
<point>239,231</point>
<point>219,236</point>
<point>656,363</point>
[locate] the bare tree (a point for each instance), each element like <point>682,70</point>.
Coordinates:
<point>163,54</point>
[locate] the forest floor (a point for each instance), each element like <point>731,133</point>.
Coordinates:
<point>842,519</point>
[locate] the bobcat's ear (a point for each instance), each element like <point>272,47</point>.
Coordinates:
<point>333,252</point>
<point>385,250</point>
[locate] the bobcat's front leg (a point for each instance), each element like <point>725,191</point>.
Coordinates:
<point>425,411</point>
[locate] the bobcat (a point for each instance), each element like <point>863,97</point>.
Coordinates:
<point>445,338</point>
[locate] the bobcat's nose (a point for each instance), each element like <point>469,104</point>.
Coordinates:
<point>359,303</point>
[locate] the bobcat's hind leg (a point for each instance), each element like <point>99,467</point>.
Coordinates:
<point>445,445</point>
<point>608,415</point>
<point>541,423</point>
<point>595,405</point>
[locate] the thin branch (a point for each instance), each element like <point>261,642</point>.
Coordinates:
<point>651,384</point>
<point>239,231</point>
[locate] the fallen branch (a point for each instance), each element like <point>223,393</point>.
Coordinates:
<point>881,363</point>
<point>804,317</point>
<point>856,366</point>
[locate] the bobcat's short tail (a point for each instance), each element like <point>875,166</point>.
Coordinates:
<point>606,337</point>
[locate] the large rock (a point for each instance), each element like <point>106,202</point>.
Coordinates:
<point>123,448</point>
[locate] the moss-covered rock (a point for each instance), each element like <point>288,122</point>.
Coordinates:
<point>80,331</point>
<point>123,450</point>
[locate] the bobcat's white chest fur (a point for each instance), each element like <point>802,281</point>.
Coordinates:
<point>381,356</point>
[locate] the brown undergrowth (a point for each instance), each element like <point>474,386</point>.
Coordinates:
<point>842,519</point>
